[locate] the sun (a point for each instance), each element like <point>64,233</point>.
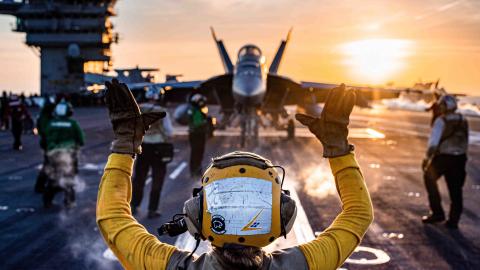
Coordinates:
<point>376,60</point>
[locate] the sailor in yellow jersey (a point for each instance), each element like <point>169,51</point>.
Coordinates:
<point>241,206</point>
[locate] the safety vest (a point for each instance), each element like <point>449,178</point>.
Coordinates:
<point>197,119</point>
<point>454,140</point>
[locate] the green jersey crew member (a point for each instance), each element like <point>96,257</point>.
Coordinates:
<point>197,132</point>
<point>46,115</point>
<point>63,138</point>
<point>265,216</point>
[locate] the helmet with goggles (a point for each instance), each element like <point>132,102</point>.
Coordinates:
<point>241,202</point>
<point>447,104</point>
<point>198,100</point>
<point>63,109</point>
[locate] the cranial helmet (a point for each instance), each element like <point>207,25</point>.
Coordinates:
<point>154,93</point>
<point>447,103</point>
<point>241,202</point>
<point>198,99</point>
<point>63,109</point>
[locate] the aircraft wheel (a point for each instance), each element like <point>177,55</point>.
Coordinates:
<point>291,129</point>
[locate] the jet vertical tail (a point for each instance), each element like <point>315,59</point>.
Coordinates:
<point>278,57</point>
<point>227,63</point>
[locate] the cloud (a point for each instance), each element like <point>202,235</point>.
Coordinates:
<point>448,6</point>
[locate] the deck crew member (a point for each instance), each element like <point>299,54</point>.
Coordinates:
<point>45,116</point>
<point>63,137</point>
<point>237,228</point>
<point>197,132</point>
<point>157,151</point>
<point>18,113</point>
<point>446,156</point>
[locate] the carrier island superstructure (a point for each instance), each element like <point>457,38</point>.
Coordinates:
<point>72,38</point>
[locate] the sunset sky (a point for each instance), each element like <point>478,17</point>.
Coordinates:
<point>356,42</point>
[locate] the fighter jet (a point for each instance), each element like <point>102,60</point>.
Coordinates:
<point>251,95</point>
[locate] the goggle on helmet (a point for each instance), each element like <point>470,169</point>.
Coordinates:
<point>241,202</point>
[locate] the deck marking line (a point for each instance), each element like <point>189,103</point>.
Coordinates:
<point>178,170</point>
<point>108,254</point>
<point>149,180</point>
<point>381,256</point>
<point>301,227</point>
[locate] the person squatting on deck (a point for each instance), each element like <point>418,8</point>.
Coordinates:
<point>237,229</point>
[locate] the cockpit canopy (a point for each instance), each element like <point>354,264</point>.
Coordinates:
<point>249,50</point>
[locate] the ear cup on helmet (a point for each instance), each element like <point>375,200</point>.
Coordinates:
<point>288,213</point>
<point>192,208</point>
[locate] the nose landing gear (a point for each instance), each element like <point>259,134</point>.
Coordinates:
<point>290,129</point>
<point>249,130</point>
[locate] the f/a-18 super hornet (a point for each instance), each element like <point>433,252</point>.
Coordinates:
<point>251,95</point>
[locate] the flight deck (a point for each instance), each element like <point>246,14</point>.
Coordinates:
<point>389,147</point>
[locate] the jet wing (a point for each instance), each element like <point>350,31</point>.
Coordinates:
<point>280,91</point>
<point>165,85</point>
<point>283,91</point>
<point>216,89</point>
<point>175,92</point>
<point>366,92</point>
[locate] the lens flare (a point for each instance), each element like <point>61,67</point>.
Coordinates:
<point>376,60</point>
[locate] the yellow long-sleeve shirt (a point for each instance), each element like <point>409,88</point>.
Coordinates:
<point>137,249</point>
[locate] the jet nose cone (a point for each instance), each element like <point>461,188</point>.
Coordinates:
<point>249,91</point>
<point>248,87</point>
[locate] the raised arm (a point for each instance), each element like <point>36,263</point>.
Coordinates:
<point>337,242</point>
<point>129,241</point>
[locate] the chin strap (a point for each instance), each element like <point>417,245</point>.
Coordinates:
<point>184,267</point>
